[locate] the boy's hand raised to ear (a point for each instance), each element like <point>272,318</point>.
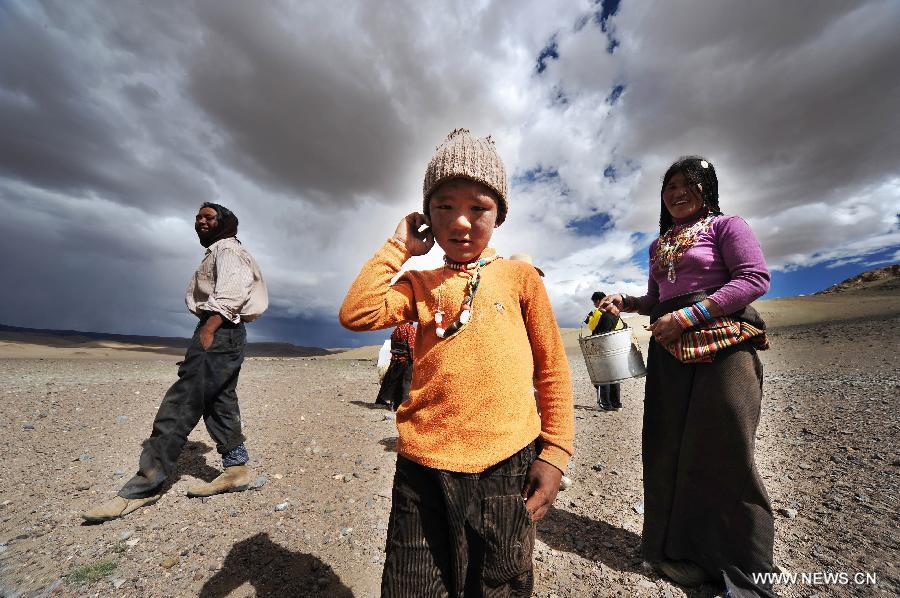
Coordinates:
<point>417,243</point>
<point>541,486</point>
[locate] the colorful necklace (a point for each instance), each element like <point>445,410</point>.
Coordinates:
<point>673,243</point>
<point>468,304</point>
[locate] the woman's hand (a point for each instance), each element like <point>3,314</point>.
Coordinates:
<point>417,243</point>
<point>613,304</point>
<point>541,487</point>
<point>666,330</point>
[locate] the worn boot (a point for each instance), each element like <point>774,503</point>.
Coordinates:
<point>117,507</point>
<point>234,479</point>
<point>684,573</point>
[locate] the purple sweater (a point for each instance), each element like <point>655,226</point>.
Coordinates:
<point>727,255</point>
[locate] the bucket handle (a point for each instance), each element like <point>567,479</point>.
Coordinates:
<point>581,329</point>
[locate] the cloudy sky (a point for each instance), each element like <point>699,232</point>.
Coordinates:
<point>314,122</point>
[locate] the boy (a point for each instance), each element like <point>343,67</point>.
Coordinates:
<point>476,466</point>
<point>609,396</point>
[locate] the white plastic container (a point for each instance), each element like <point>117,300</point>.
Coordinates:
<point>384,359</point>
<point>612,357</point>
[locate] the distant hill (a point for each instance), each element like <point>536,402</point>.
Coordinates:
<point>882,279</point>
<point>156,344</point>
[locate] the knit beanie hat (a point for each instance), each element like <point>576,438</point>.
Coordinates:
<point>462,155</point>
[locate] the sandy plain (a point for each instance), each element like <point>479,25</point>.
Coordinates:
<point>73,420</point>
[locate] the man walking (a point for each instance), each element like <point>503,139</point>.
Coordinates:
<point>601,322</point>
<point>225,291</point>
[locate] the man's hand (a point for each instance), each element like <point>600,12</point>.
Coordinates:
<point>206,338</point>
<point>208,330</point>
<point>541,486</point>
<point>408,233</point>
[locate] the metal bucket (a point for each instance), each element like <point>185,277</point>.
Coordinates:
<point>612,357</point>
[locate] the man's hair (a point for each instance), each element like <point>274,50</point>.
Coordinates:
<point>598,295</point>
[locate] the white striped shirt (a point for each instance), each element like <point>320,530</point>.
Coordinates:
<point>229,283</point>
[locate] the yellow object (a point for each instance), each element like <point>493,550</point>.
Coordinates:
<point>594,319</point>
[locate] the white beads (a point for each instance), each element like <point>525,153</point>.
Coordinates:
<point>466,314</point>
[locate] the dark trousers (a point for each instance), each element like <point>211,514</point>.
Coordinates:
<point>205,388</point>
<point>395,386</point>
<point>457,534</point>
<point>609,395</point>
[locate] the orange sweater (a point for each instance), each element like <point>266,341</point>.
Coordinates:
<point>471,403</point>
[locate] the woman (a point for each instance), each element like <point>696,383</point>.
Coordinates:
<point>395,385</point>
<point>707,514</point>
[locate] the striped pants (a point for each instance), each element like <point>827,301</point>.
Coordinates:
<point>457,534</point>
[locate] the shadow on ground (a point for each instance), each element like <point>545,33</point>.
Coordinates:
<point>372,405</point>
<point>591,539</point>
<point>192,462</point>
<point>602,542</point>
<point>273,570</point>
<point>389,444</point>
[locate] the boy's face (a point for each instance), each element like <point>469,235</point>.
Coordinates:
<point>463,216</point>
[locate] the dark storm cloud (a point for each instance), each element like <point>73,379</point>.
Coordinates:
<point>303,112</point>
<point>63,128</point>
<point>801,98</point>
<point>92,266</point>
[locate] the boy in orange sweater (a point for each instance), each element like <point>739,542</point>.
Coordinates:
<point>476,466</point>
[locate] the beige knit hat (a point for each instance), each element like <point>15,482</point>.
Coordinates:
<point>465,156</point>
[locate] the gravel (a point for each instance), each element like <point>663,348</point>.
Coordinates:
<point>826,449</point>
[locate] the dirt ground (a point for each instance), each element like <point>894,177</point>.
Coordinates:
<point>827,449</point>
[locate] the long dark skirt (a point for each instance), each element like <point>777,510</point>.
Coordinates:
<point>395,385</point>
<point>703,497</point>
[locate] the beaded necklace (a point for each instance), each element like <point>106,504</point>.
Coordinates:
<point>673,243</point>
<point>468,304</point>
